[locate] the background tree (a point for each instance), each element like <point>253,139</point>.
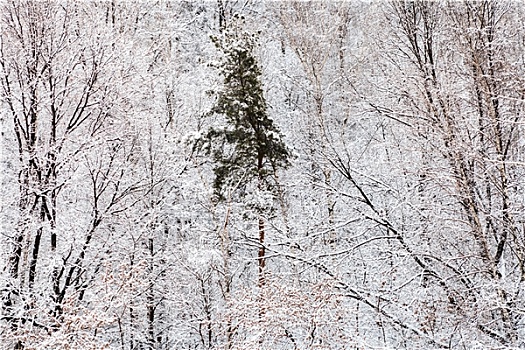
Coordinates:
<point>55,85</point>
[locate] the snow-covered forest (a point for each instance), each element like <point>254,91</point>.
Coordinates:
<point>240,174</point>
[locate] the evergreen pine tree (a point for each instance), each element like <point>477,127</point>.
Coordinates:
<point>249,146</point>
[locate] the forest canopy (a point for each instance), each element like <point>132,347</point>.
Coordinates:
<point>262,175</point>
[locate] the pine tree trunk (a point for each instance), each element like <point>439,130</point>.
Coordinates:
<point>151,300</point>
<point>262,249</point>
